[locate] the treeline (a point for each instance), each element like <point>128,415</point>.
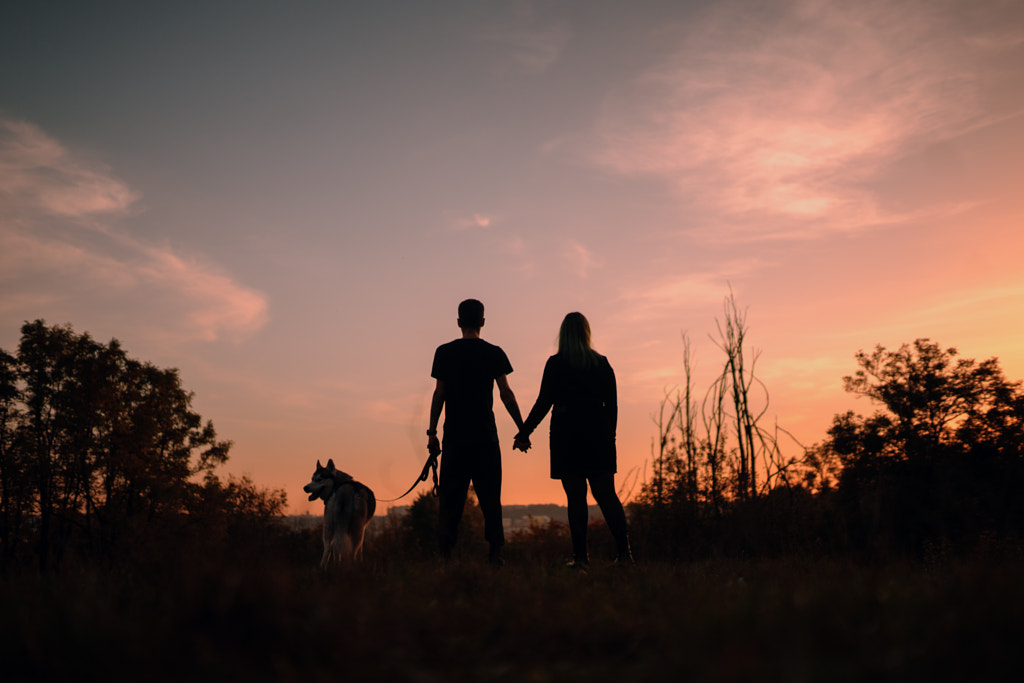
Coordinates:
<point>102,458</point>
<point>937,469</point>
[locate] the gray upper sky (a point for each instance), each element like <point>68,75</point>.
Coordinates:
<point>288,200</point>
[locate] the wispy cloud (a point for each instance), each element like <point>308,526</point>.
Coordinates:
<point>663,299</point>
<point>530,50</point>
<point>217,305</point>
<point>38,174</point>
<point>953,315</point>
<point>472,221</point>
<point>785,113</point>
<point>385,411</point>
<point>58,249</point>
<point>806,374</point>
<point>580,259</point>
<point>513,245</point>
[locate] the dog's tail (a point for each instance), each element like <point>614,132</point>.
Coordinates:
<point>371,501</point>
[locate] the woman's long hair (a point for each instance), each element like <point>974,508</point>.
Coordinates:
<point>574,341</point>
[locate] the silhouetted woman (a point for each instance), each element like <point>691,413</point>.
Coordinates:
<point>578,387</point>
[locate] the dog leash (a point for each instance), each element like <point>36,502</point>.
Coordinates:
<point>429,468</point>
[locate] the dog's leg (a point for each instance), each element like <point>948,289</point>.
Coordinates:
<point>357,543</point>
<point>329,530</point>
<point>343,546</point>
<point>345,509</point>
<point>359,523</point>
<point>326,557</point>
<point>365,504</point>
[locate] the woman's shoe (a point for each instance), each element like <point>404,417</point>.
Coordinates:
<point>625,559</point>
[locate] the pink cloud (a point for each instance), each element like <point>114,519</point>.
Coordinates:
<point>787,116</point>
<point>58,253</point>
<point>657,300</point>
<point>217,305</point>
<point>37,172</point>
<point>581,260</point>
<point>476,220</point>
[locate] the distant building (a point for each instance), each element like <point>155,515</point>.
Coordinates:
<point>525,522</point>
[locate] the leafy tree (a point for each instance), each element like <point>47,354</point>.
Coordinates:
<point>941,457</point>
<point>100,446</point>
<point>14,497</point>
<point>927,393</point>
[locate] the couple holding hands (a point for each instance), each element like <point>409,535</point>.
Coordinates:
<point>578,388</point>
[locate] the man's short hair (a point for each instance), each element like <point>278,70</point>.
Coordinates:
<point>471,314</point>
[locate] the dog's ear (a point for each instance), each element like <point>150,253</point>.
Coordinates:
<point>330,464</point>
<point>318,465</point>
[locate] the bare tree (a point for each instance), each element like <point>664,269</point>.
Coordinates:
<point>731,340</point>
<point>713,416</point>
<point>691,466</point>
<point>686,413</point>
<point>666,457</point>
<point>677,460</point>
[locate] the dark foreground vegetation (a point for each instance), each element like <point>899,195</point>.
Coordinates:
<point>264,612</point>
<point>890,551</point>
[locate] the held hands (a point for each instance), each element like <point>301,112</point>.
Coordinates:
<point>522,442</point>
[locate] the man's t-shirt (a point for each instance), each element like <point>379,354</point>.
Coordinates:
<point>468,368</point>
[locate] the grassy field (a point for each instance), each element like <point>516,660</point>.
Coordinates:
<point>266,619</point>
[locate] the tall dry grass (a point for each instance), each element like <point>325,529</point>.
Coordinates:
<point>264,612</point>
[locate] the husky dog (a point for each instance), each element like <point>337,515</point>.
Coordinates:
<point>348,509</point>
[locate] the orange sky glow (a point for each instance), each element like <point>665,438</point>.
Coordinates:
<point>287,203</point>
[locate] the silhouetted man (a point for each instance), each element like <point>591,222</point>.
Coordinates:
<point>466,370</point>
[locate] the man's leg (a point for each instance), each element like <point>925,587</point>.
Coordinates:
<point>452,488</point>
<point>487,484</point>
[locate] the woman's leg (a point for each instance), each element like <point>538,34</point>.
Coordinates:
<point>603,488</point>
<point>576,501</point>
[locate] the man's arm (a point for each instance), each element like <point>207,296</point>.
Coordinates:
<point>436,404</point>
<point>509,399</point>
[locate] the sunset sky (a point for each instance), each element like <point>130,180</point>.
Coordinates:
<point>287,201</point>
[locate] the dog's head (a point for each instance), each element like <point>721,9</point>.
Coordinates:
<point>325,480</point>
<point>322,484</point>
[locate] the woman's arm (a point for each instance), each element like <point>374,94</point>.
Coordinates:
<point>611,398</point>
<point>545,399</point>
